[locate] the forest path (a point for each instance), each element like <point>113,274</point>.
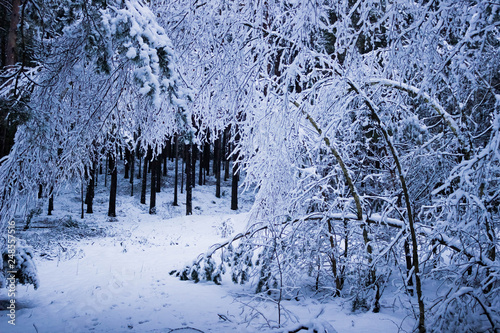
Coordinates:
<point>121,283</point>
<point>112,275</point>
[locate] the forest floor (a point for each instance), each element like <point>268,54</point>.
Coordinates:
<point>101,274</point>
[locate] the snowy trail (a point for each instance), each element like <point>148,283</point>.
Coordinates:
<point>121,284</point>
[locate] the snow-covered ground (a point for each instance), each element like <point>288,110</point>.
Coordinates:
<point>112,275</point>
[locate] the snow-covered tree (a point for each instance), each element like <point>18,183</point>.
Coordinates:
<point>368,128</point>
<point>108,72</point>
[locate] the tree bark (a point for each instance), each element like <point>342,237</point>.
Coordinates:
<point>106,171</point>
<point>182,167</point>
<point>408,266</point>
<point>51,201</point>
<point>82,215</point>
<point>158,173</point>
<point>194,151</point>
<point>113,186</point>
<point>144,179</point>
<point>217,166</point>
<point>234,186</point>
<point>127,163</point>
<point>132,170</point>
<point>226,152</point>
<point>189,180</point>
<point>176,176</point>
<point>11,49</point>
<point>91,189</point>
<point>154,175</point>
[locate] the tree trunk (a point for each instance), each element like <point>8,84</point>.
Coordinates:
<point>408,266</point>
<point>51,201</point>
<point>234,186</point>
<point>200,175</point>
<point>127,163</point>
<point>192,159</point>
<point>144,179</point>
<point>158,173</point>
<point>182,167</point>
<point>154,175</point>
<point>132,167</point>
<point>113,187</point>
<point>217,166</point>
<point>11,50</point>
<point>82,215</point>
<point>91,189</point>
<point>176,176</point>
<point>226,152</point>
<point>106,172</point>
<point>189,180</point>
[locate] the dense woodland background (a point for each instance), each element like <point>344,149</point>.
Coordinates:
<point>370,131</point>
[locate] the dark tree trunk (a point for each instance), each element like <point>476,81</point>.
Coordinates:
<point>217,166</point>
<point>226,152</point>
<point>82,215</point>
<point>89,200</point>
<point>132,167</point>
<point>144,179</point>
<point>106,172</point>
<point>11,49</point>
<point>189,180</point>
<point>234,187</point>
<point>154,175</point>
<point>236,178</point>
<point>113,187</point>
<point>158,174</point>
<point>3,126</point>
<point>176,176</point>
<point>200,173</point>
<point>182,167</point>
<point>192,160</point>
<point>51,201</point>
<point>127,163</point>
<point>409,266</point>
<point>40,191</point>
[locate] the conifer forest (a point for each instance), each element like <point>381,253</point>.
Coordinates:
<point>249,166</point>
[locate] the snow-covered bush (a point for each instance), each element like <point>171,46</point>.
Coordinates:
<point>18,262</point>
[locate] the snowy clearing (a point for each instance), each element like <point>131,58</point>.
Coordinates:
<point>103,276</point>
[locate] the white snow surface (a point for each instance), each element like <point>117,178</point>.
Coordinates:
<point>112,275</point>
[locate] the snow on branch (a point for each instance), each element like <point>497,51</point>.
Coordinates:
<point>428,99</point>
